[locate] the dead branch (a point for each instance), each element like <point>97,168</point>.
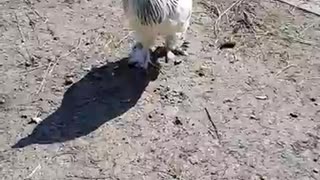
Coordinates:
<point>19,28</point>
<point>226,12</point>
<point>87,177</point>
<point>285,68</point>
<point>213,125</point>
<point>52,65</point>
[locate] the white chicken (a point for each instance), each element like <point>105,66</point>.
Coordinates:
<point>151,18</point>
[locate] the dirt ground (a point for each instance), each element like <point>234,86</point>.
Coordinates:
<point>70,108</point>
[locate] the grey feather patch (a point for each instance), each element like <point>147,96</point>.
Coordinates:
<point>151,12</point>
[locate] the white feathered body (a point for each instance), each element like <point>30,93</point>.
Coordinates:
<point>175,20</point>
<point>151,18</point>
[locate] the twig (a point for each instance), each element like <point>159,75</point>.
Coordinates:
<point>19,28</point>
<point>225,12</point>
<point>285,68</point>
<point>86,177</point>
<point>52,65</point>
<point>124,38</point>
<point>66,55</point>
<point>45,20</point>
<point>34,171</point>
<point>32,69</point>
<point>305,29</point>
<point>23,40</point>
<point>313,78</point>
<point>44,77</point>
<point>300,5</point>
<point>213,125</point>
<point>258,42</point>
<point>213,8</point>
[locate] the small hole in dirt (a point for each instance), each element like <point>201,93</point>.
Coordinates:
<point>227,45</point>
<point>87,44</point>
<point>55,38</point>
<point>313,99</point>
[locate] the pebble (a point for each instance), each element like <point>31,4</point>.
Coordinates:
<point>263,97</point>
<point>35,120</point>
<point>177,62</point>
<point>177,121</point>
<point>2,100</point>
<point>315,170</point>
<point>68,80</point>
<point>294,115</point>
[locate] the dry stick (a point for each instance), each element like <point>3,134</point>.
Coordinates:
<point>19,28</point>
<point>86,177</point>
<point>298,5</point>
<point>23,40</point>
<point>225,12</point>
<point>305,29</point>
<point>123,39</point>
<point>213,125</point>
<point>285,68</point>
<point>209,7</point>
<point>52,65</point>
<point>32,69</point>
<point>34,171</point>
<point>258,42</point>
<point>35,11</point>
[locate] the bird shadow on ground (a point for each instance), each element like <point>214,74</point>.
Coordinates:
<point>102,95</point>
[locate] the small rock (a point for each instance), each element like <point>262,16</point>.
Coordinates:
<point>24,116</point>
<point>2,100</point>
<point>313,99</point>
<point>227,101</point>
<point>177,62</point>
<point>177,121</point>
<point>87,68</point>
<point>315,170</point>
<point>68,81</point>
<point>254,117</point>
<point>27,64</point>
<point>263,97</point>
<point>35,120</point>
<point>200,72</point>
<point>227,45</point>
<point>294,115</point>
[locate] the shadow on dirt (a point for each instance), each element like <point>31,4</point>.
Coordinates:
<point>102,95</point>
